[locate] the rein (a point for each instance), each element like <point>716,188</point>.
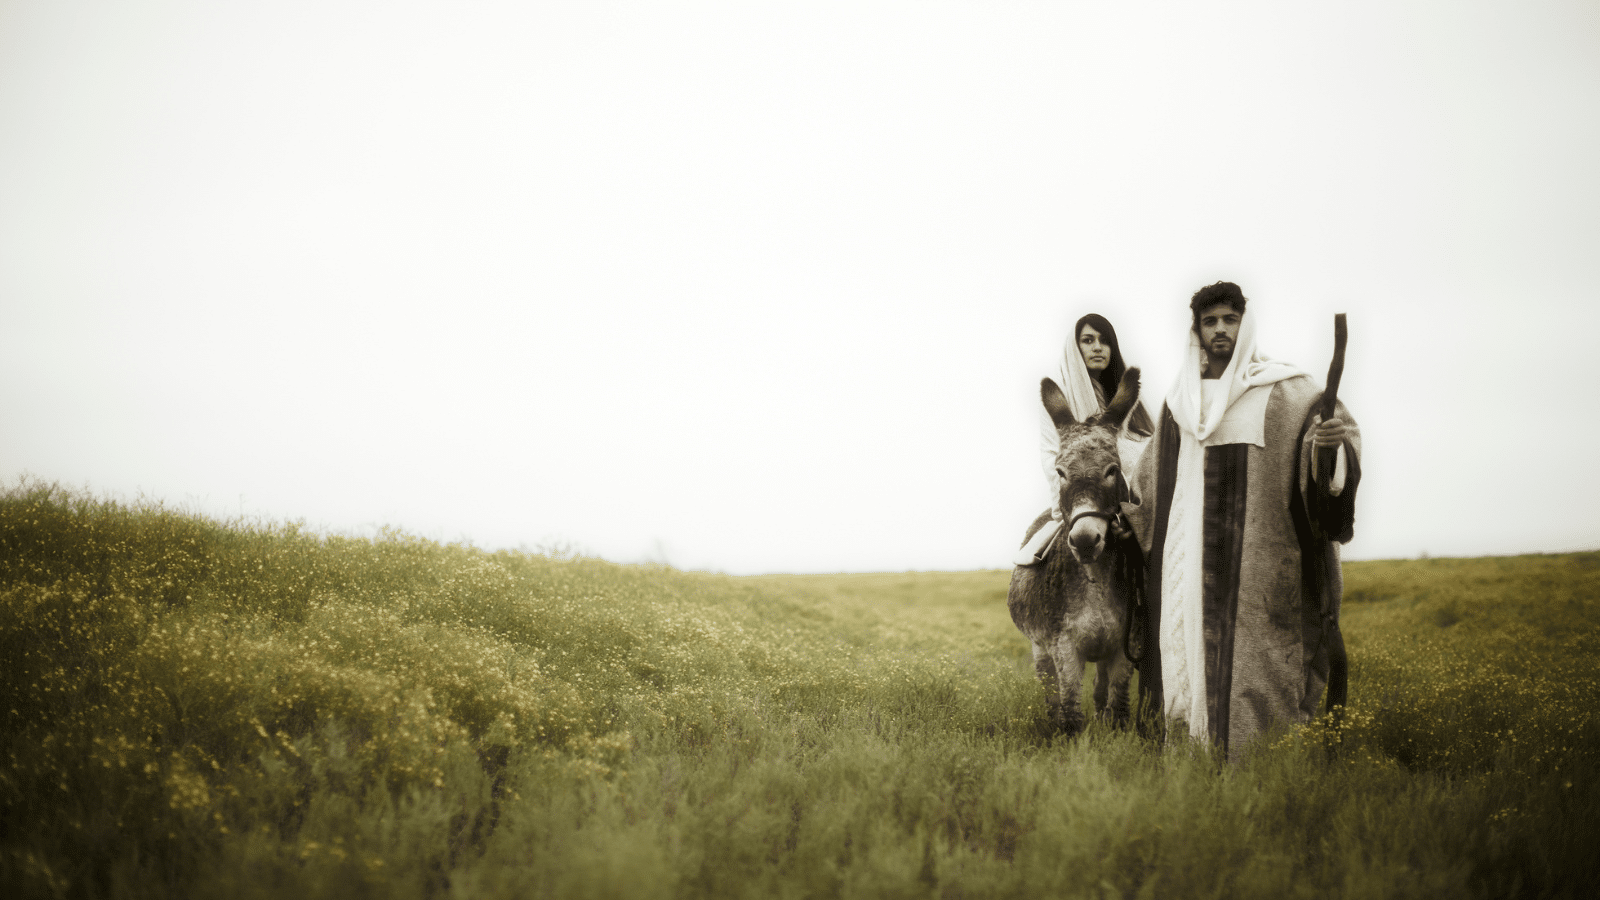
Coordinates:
<point>1130,564</point>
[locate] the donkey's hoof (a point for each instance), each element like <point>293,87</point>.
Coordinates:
<point>1066,721</point>
<point>1116,718</point>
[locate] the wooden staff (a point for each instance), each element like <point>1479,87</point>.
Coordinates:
<point>1330,398</point>
<point>1338,661</point>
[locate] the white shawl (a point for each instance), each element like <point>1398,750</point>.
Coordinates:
<point>1084,398</point>
<point>1073,376</point>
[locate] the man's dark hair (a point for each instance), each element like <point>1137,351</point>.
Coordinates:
<point>1212,294</point>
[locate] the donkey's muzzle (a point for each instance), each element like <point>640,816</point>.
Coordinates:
<point>1087,536</point>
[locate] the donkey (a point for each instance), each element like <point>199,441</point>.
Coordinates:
<point>1072,606</point>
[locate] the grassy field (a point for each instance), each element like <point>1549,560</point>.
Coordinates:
<point>197,709</point>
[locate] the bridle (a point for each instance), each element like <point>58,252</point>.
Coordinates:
<point>1091,514</point>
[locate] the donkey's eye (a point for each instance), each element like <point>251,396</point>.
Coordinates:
<point>1111,474</point>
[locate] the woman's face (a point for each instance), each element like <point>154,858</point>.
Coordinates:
<point>1096,352</point>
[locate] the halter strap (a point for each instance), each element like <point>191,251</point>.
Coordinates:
<point>1090,514</point>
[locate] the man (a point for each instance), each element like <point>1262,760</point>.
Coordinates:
<point>1241,541</point>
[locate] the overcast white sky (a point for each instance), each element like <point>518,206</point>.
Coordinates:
<point>769,287</point>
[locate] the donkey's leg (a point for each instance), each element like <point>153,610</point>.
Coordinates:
<point>1044,666</point>
<point>1111,682</point>
<point>1069,678</point>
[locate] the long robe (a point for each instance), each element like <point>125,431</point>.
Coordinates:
<point>1269,565</point>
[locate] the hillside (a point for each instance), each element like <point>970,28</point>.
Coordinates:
<point>198,708</point>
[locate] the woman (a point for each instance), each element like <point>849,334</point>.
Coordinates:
<point>1091,369</point>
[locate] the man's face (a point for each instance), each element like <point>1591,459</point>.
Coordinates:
<point>1219,331</point>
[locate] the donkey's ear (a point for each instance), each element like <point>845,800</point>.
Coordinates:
<point>1055,403</point>
<point>1122,403</point>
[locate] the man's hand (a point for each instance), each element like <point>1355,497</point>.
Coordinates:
<point>1120,527</point>
<point>1328,434</point>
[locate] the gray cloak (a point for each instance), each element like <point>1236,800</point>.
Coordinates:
<point>1271,577</point>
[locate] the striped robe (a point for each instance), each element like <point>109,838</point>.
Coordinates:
<point>1269,566</point>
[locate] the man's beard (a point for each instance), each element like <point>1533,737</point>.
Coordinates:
<point>1219,359</point>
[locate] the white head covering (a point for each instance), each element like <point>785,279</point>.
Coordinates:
<point>1248,369</point>
<point>1073,376</point>
<point>1084,401</point>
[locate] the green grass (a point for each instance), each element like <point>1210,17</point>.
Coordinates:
<point>195,708</point>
